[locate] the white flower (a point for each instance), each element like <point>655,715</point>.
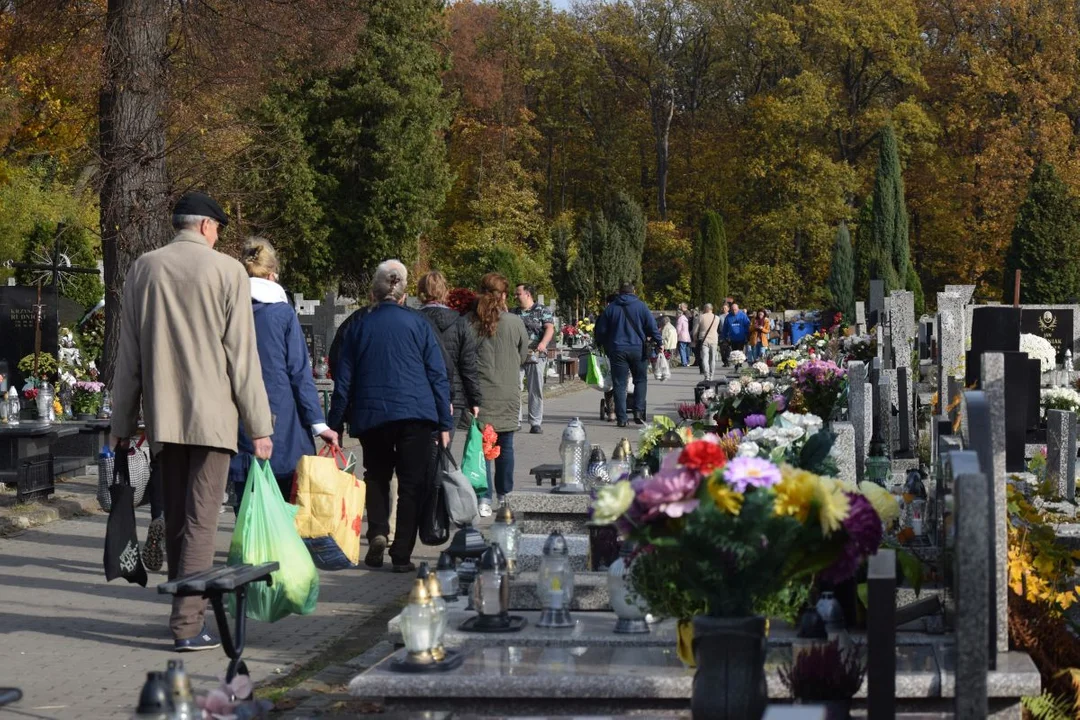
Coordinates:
<point>1039,349</point>
<point>755,388</point>
<point>821,343</point>
<point>734,387</point>
<point>737,357</point>
<point>1061,398</point>
<point>761,368</point>
<point>767,387</point>
<point>748,448</point>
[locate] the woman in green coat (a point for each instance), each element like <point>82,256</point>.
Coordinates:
<point>503,345</point>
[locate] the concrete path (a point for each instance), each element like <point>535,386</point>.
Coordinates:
<point>79,647</point>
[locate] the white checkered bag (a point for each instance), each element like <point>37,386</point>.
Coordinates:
<point>138,468</point>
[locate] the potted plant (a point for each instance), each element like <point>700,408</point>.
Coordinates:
<point>86,399</point>
<point>739,531</point>
<point>825,675</point>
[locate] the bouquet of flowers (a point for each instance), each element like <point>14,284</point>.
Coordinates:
<point>740,530</point>
<point>692,412</point>
<point>737,357</point>
<point>490,437</point>
<point>86,397</point>
<point>1061,398</point>
<point>820,384</point>
<point>1040,349</point>
<point>742,399</point>
<point>761,369</point>
<point>859,347</point>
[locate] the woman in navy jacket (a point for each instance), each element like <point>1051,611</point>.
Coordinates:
<point>286,372</point>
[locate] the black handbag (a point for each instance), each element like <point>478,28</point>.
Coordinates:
<point>122,558</point>
<point>434,516</point>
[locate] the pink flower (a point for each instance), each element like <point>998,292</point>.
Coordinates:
<point>669,492</point>
<point>751,472</point>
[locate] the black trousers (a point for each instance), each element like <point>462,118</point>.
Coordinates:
<point>402,447</point>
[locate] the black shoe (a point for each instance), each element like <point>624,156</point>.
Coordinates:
<point>622,423</point>
<point>536,430</point>
<point>639,420</point>
<point>203,641</point>
<point>406,568</point>
<point>376,548</point>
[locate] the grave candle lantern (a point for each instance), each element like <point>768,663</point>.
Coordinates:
<point>419,623</point>
<point>491,592</point>
<point>507,535</point>
<point>447,576</point>
<point>555,583</point>
<point>669,443</point>
<point>631,618</point>
<point>573,449</point>
<point>441,613</point>
<point>619,465</point>
<point>878,465</point>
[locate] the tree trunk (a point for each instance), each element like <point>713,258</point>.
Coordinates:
<point>662,112</point>
<point>131,114</point>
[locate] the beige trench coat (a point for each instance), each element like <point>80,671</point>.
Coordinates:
<point>187,349</point>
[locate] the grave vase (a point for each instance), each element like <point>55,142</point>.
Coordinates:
<point>730,677</point>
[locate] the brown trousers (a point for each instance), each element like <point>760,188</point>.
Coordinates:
<point>194,479</point>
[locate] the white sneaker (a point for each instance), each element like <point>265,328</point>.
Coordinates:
<point>485,508</point>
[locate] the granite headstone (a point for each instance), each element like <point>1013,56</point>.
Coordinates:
<point>1061,452</point>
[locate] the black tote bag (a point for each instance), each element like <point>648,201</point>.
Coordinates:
<point>434,517</point>
<point>122,557</point>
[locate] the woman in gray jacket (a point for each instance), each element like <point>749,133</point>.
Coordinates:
<point>502,348</point>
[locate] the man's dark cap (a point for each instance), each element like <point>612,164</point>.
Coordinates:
<point>197,203</point>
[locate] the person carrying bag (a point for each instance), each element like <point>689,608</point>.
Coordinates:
<point>330,504</point>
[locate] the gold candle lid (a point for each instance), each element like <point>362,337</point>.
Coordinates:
<point>419,594</point>
<point>504,514</point>
<point>433,587</point>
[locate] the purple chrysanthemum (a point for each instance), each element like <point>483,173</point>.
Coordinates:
<point>747,472</point>
<point>756,420</point>
<point>780,401</point>
<point>864,529</point>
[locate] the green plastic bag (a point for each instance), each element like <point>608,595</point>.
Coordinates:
<point>473,463</point>
<point>599,373</point>
<point>266,532</point>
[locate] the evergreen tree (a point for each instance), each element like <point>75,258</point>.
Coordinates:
<point>891,253</point>
<point>713,262</point>
<point>696,273</point>
<point>611,241</point>
<point>561,274</point>
<point>914,284</point>
<point>842,274</point>
<point>864,248</point>
<point>377,132</point>
<point>1045,242</point>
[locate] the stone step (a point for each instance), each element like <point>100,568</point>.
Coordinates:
<point>590,592</point>
<point>532,549</point>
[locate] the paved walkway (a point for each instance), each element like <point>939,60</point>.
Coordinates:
<point>80,647</point>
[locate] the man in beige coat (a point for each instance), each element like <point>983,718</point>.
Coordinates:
<point>188,354</point>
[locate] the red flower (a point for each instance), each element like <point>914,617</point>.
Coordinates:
<point>703,456</point>
<point>491,450</point>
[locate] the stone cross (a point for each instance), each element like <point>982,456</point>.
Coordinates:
<point>328,318</point>
<point>304,306</point>
<point>974,655</point>
<point>860,413</point>
<point>881,636</point>
<point>1061,452</point>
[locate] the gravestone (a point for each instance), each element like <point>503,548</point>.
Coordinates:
<point>328,317</point>
<point>881,636</point>
<point>860,412</point>
<point>1055,325</point>
<point>906,424</point>
<point>18,326</point>
<point>903,326</point>
<point>1061,452</point>
<point>984,429</point>
<point>860,317</point>
<point>876,307</point>
<point>883,420</point>
<point>951,341</point>
<point>926,339</point>
<point>843,451</point>
<point>993,329</point>
<point>974,656</point>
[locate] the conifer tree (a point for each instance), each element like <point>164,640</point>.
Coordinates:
<point>841,282</point>
<point>891,251</point>
<point>1045,241</point>
<point>713,263</point>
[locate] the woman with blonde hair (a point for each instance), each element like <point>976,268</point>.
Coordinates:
<point>502,348</point>
<point>286,372</point>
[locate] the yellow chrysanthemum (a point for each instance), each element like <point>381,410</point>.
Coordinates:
<point>833,505</point>
<point>882,500</point>
<point>794,492</point>
<point>725,498</point>
<point>687,435</point>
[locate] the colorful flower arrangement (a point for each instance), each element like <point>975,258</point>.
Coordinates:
<point>742,529</point>
<point>859,347</point>
<point>691,412</point>
<point>1039,348</point>
<point>86,397</point>
<point>575,334</point>
<point>490,447</point>
<point>741,399</point>
<point>820,384</point>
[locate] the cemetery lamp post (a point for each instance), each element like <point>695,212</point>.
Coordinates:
<point>507,535</point>
<point>669,443</point>
<point>573,449</point>
<point>555,583</point>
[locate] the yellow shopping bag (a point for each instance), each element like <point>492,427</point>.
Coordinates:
<point>330,507</point>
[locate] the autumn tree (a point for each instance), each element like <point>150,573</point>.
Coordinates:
<point>1045,243</point>
<point>842,274</point>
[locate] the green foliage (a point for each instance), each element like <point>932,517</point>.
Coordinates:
<point>1048,707</point>
<point>842,274</point>
<point>658,584</point>
<point>891,252</point>
<point>610,246</point>
<point>768,285</point>
<point>864,248</point>
<point>711,261</point>
<point>914,284</point>
<point>1045,242</point>
<point>786,603</point>
<point>665,266</point>
<point>78,245</point>
<point>561,261</point>
<point>377,127</point>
